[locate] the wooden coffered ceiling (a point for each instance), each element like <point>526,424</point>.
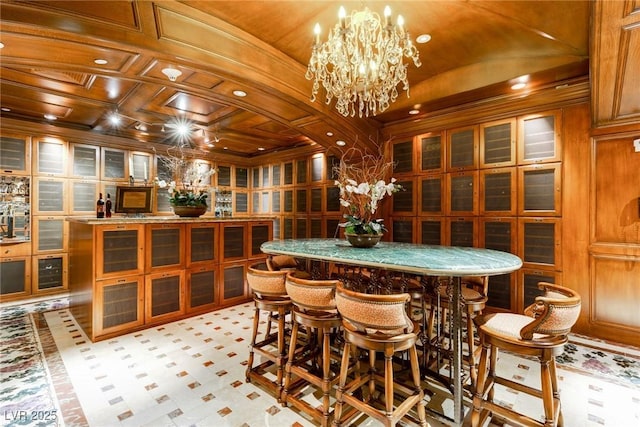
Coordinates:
<point>477,50</point>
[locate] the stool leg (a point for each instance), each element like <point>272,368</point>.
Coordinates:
<point>479,394</point>
<point>254,334</point>
<point>281,351</point>
<point>473,373</point>
<point>556,393</point>
<point>547,391</point>
<point>344,367</point>
<point>287,371</point>
<point>415,373</point>
<point>372,374</point>
<point>388,380</point>
<point>326,371</point>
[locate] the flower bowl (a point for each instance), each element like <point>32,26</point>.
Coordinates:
<point>363,240</point>
<point>189,211</point>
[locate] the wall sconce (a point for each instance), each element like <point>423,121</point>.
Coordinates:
<point>172,73</point>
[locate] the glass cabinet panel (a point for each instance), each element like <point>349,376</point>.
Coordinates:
<point>288,173</point>
<point>275,175</point>
<point>224,176</point>
<point>49,196</point>
<point>16,277</point>
<point>431,231</point>
<point>462,149</point>
<point>539,242</point>
<point>540,190</point>
<point>120,250</point>
<point>122,304</point>
<point>402,230</point>
<point>51,157</point>
<point>403,200</point>
<point>275,201</point>
<point>403,157</point>
<point>14,154</point>
<point>539,138</point>
<point>233,241</point>
<point>259,233</point>
<point>431,189</point>
<point>241,202</point>
<point>242,177</point>
<point>50,234</point>
<point>431,153</point>
<point>114,164</point>
<point>50,272</point>
<point>164,295</point>
<point>161,247</point>
<point>83,196</point>
<point>201,243</point>
<point>498,143</point>
<point>301,228</point>
<point>316,200</point>
<point>233,283</point>
<point>201,289</point>
<point>301,171</point>
<point>462,232</point>
<point>463,193</point>
<point>301,201</point>
<point>317,168</point>
<point>498,191</point>
<point>288,201</point>
<point>85,161</point>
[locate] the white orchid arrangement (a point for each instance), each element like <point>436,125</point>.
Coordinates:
<point>193,189</point>
<point>361,180</point>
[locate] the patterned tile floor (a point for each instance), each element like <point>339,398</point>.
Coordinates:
<point>191,373</point>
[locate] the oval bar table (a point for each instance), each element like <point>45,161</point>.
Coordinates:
<point>425,260</point>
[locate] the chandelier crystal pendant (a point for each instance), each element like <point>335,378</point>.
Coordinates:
<point>361,63</point>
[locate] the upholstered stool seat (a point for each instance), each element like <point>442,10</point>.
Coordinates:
<point>286,263</point>
<point>542,333</point>
<point>309,361</point>
<point>270,296</point>
<point>378,323</point>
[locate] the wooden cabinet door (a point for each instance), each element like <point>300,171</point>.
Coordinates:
<point>119,250</point>
<point>164,247</point>
<point>164,296</point>
<point>118,305</point>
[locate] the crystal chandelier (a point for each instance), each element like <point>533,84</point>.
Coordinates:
<point>361,64</point>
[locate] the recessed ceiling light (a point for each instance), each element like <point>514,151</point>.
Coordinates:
<point>329,133</point>
<point>225,148</point>
<point>5,109</point>
<point>414,112</point>
<point>239,93</point>
<point>1,45</point>
<point>100,61</point>
<point>340,143</point>
<point>211,145</point>
<point>260,148</point>
<point>423,38</point>
<point>50,117</point>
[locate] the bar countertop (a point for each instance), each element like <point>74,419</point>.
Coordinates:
<point>421,259</point>
<point>161,219</point>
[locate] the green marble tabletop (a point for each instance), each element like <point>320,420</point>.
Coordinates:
<point>407,257</point>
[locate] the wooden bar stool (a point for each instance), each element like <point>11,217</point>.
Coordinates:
<point>541,332</point>
<point>473,295</point>
<point>270,296</point>
<point>309,361</point>
<point>378,323</point>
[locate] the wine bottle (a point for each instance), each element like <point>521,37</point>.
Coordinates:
<point>107,212</point>
<point>100,207</point>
